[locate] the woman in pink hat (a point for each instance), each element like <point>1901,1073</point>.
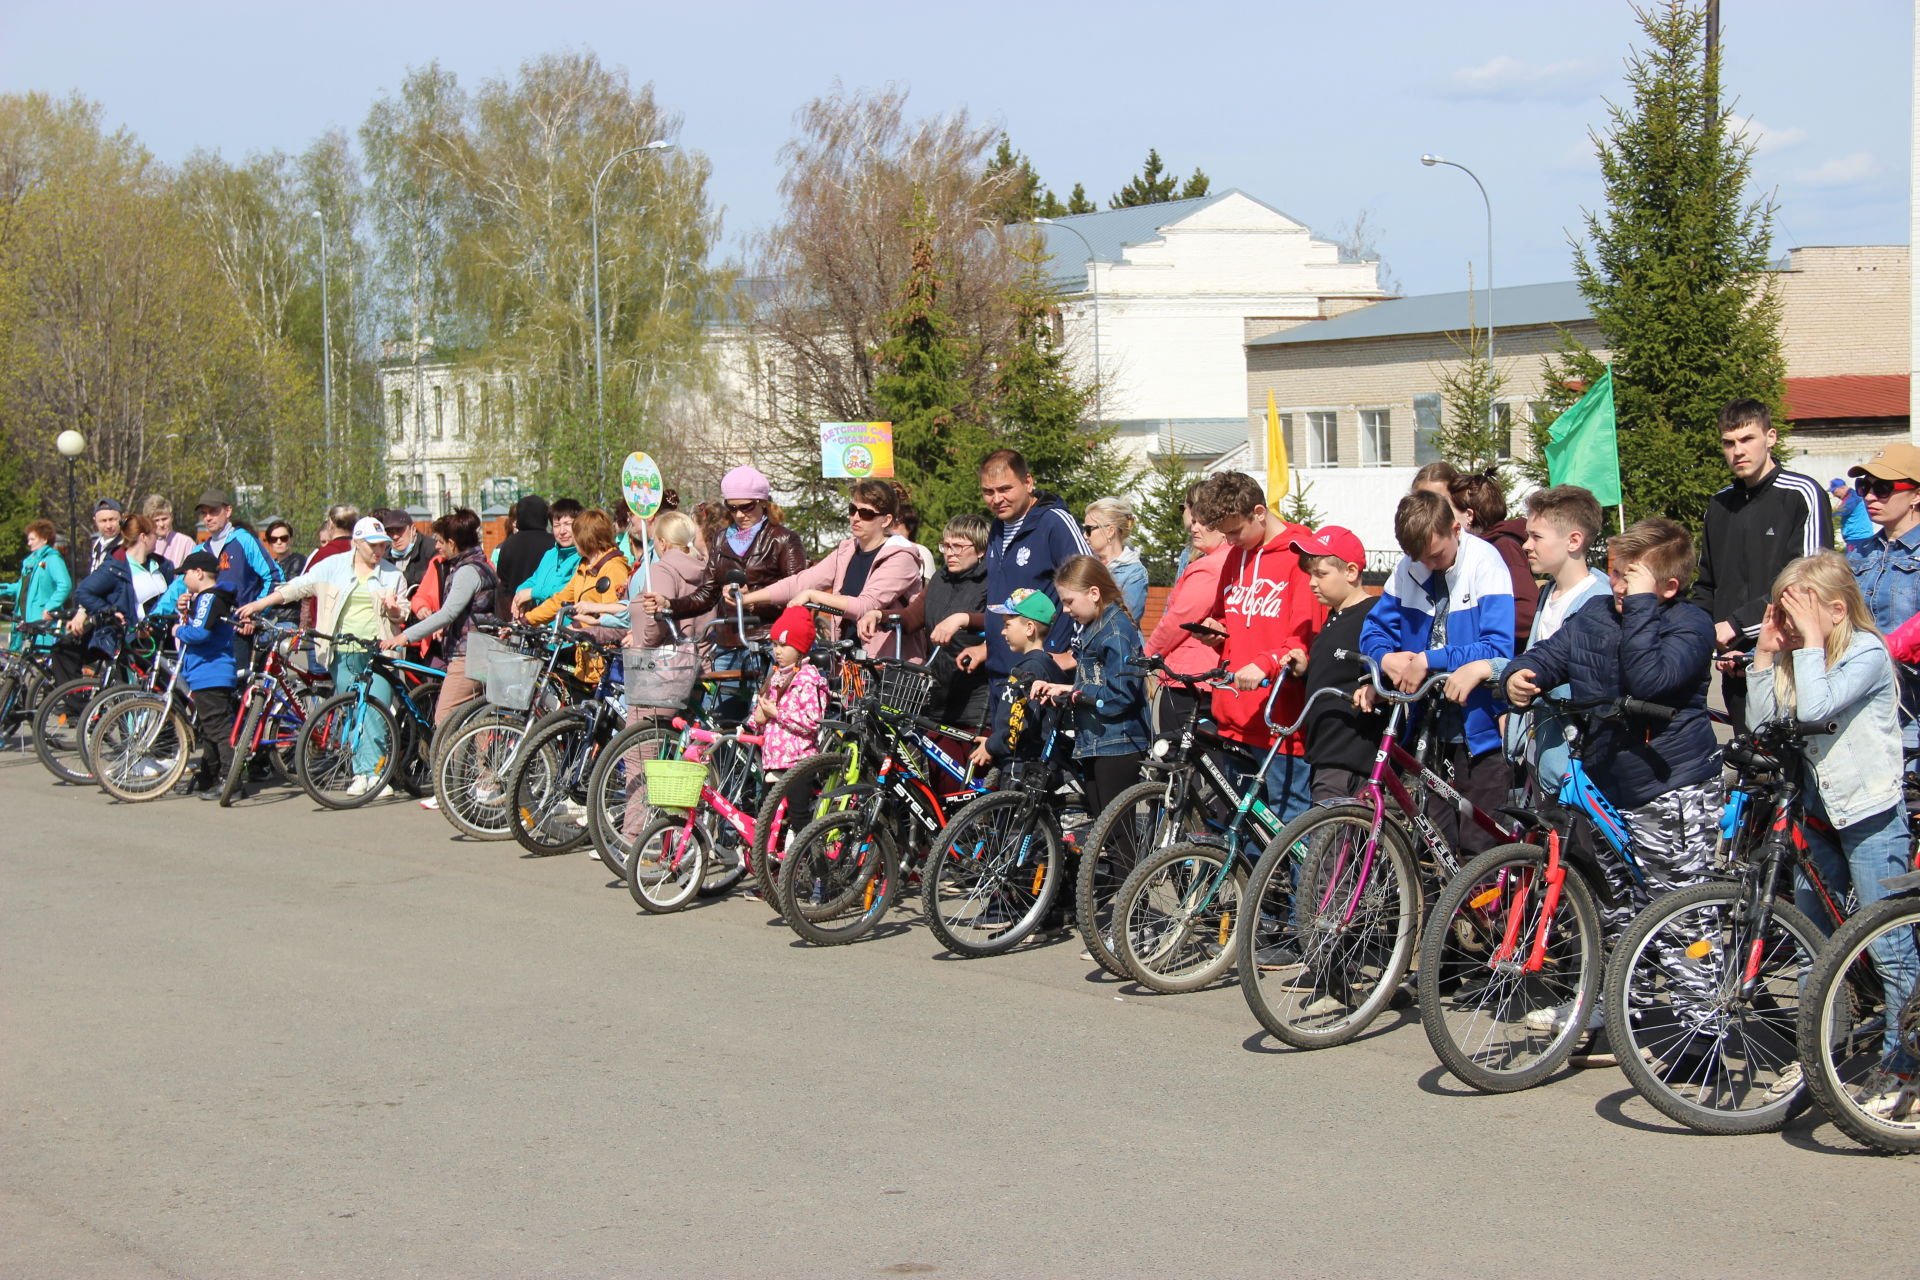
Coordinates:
<point>753,542</point>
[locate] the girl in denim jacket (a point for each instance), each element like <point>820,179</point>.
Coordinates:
<point>1109,696</point>
<point>1819,658</point>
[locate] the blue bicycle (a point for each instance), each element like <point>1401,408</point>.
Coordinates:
<point>375,734</point>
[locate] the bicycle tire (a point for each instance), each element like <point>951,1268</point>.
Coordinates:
<point>1103,868</point>
<point>843,879</point>
<point>618,770</point>
<point>1660,1045</point>
<point>323,760</point>
<point>669,862</point>
<point>142,747</point>
<point>59,728</point>
<point>22,685</point>
<point>1314,981</point>
<point>985,902</point>
<point>1843,1012</point>
<point>787,809</point>
<point>538,814</point>
<point>413,771</point>
<point>470,775</point>
<point>243,745</point>
<point>103,700</point>
<point>1481,1017</point>
<point>443,731</point>
<point>1172,931</point>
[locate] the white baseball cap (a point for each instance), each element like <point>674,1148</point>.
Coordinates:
<point>370,530</point>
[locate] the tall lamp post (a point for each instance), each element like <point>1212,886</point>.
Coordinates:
<point>1093,285</point>
<point>1430,161</point>
<point>599,358</point>
<point>71,445</point>
<point>326,351</point>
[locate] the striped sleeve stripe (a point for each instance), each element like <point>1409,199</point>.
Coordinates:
<point>1073,530</point>
<point>1808,490</point>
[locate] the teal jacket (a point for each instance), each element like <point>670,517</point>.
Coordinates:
<point>555,571</point>
<point>43,587</point>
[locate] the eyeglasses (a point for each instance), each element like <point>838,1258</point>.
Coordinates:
<point>960,545</point>
<point>742,508</point>
<point>1089,528</point>
<point>857,512</point>
<point>1874,487</point>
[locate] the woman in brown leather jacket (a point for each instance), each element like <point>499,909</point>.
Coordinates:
<point>753,542</point>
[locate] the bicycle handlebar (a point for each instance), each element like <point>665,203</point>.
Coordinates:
<point>1602,708</point>
<point>1393,695</point>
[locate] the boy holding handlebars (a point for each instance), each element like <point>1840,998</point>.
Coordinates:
<point>1341,738</point>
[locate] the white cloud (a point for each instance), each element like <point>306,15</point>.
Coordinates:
<point>1767,141</point>
<point>1841,171</point>
<point>1508,79</point>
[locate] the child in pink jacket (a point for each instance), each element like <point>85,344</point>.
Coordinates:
<point>791,707</point>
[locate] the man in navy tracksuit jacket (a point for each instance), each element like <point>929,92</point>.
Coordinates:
<point>1032,535</point>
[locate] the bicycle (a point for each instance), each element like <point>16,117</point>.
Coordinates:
<point>355,746</point>
<point>1513,952</point>
<point>1703,989</point>
<point>141,745</point>
<point>474,749</point>
<point>1336,897</point>
<point>1850,1033</point>
<point>26,674</point>
<point>64,721</point>
<point>669,863</point>
<point>275,697</point>
<point>1176,916</point>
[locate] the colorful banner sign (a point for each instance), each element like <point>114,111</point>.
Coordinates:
<point>855,450</point>
<point>640,482</point>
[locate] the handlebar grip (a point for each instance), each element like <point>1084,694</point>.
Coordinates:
<point>827,609</point>
<point>1815,728</point>
<point>1650,710</point>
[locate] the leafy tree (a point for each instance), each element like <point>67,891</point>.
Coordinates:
<point>1675,271</point>
<point>1154,185</point>
<point>1038,407</point>
<point>922,390</point>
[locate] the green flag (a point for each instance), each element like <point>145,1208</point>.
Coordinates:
<point>1581,447</point>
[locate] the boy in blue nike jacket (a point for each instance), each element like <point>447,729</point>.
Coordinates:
<point>207,668</point>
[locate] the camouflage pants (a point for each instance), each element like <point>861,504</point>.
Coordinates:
<point>1673,837</point>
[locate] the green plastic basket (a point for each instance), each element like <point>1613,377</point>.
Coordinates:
<point>675,784</point>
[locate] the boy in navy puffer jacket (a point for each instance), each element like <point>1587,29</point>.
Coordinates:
<point>1643,642</point>
<point>207,668</point>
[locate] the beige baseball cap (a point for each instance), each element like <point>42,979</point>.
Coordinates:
<point>1895,462</point>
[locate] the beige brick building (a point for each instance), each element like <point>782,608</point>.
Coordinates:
<point>1358,392</point>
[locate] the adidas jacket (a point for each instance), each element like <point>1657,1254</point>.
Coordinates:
<point>1750,534</point>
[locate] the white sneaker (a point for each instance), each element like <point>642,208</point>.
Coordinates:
<point>431,802</point>
<point>1894,1098</point>
<point>1787,1085</point>
<point>359,785</point>
<point>1553,1019</point>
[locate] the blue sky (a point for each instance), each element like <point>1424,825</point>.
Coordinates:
<point>1321,110</point>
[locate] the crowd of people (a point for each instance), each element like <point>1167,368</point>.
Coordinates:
<point>1027,602</point>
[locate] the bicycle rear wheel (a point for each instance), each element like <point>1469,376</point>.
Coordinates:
<point>843,876</point>
<point>992,874</point>
<point>59,733</point>
<point>23,683</point>
<point>348,751</point>
<point>553,764</point>
<point>141,748</point>
<point>1499,1017</point>
<point>1334,913</point>
<point>471,777</point>
<point>789,807</point>
<point>733,770</point>
<point>1175,916</point>
<point>617,789</point>
<point>1844,1015</point>
<point>669,861</point>
<point>1692,1045</point>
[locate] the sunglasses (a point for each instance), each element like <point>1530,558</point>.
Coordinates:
<point>1089,528</point>
<point>1874,487</point>
<point>741,508</point>
<point>279,537</point>
<point>856,511</point>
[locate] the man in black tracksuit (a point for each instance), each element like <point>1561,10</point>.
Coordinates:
<point>1753,527</point>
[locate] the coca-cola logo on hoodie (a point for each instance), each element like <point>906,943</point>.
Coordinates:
<point>1260,598</point>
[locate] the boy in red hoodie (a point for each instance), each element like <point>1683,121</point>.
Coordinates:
<point>1265,609</point>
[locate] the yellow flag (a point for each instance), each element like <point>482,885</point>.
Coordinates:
<point>1276,456</point>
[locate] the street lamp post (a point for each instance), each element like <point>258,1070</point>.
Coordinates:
<point>1430,161</point>
<point>71,445</point>
<point>599,358</point>
<point>326,352</point>
<point>1093,285</point>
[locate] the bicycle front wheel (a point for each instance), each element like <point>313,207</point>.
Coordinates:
<point>347,751</point>
<point>993,873</point>
<point>669,861</point>
<point>1134,825</point>
<point>1175,917</point>
<point>60,729</point>
<point>1507,989</point>
<point>1692,1043</point>
<point>617,789</point>
<point>471,774</point>
<point>545,816</point>
<point>1334,910</point>
<point>243,745</point>
<point>140,748</point>
<point>1853,1030</point>
<point>789,807</point>
<point>843,876</point>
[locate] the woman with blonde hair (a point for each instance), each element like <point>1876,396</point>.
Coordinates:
<point>1109,523</point>
<point>1828,663</point>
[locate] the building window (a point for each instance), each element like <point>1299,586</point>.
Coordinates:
<point>460,414</point>
<point>398,406</point>
<point>486,408</point>
<point>439,412</point>
<point>1323,439</point>
<point>1503,429</point>
<point>1376,438</point>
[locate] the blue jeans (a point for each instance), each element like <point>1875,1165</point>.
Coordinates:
<point>1289,784</point>
<point>1875,849</point>
<point>368,747</point>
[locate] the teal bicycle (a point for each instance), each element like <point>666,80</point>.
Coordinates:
<point>358,744</point>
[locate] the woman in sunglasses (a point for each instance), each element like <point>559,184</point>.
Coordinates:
<point>277,538</point>
<point>872,569</point>
<point>752,541</point>
<point>1888,563</point>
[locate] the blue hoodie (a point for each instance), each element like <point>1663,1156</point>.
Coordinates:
<point>247,572</point>
<point>1048,536</point>
<point>206,642</point>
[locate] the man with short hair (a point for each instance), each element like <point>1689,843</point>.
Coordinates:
<point>246,571</point>
<point>1887,563</point>
<point>106,533</point>
<point>409,552</point>
<point>1032,535</point>
<point>336,535</point>
<point>1753,527</point>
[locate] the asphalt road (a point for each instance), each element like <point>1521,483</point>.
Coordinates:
<point>279,1042</point>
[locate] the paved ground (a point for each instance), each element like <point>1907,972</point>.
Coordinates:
<point>275,1042</point>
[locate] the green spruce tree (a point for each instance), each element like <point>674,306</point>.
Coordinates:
<point>1161,533</point>
<point>1077,202</point>
<point>1154,185</point>
<point>1021,197</point>
<point>1676,272</point>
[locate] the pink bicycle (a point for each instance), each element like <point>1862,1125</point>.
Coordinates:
<point>703,843</point>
